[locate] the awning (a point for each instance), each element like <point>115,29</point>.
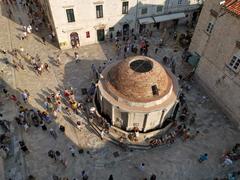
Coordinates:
<point>168,17</point>
<point>147,20</point>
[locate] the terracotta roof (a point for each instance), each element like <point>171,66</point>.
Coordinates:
<point>134,77</point>
<point>233,6</point>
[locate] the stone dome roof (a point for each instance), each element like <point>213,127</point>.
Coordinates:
<point>139,78</point>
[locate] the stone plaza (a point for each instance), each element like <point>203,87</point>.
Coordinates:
<point>100,158</point>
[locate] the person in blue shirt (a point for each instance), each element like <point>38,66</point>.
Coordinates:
<point>203,157</point>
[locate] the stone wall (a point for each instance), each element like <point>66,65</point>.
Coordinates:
<point>86,21</point>
<point>216,50</point>
<point>201,37</point>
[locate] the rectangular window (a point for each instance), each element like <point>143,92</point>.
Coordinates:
<point>234,64</point>
<point>155,90</point>
<point>179,1</point>
<point>159,8</point>
<point>70,15</point>
<point>99,11</point>
<point>210,27</point>
<point>144,10</point>
<point>87,34</point>
<point>125,7</point>
<point>111,29</point>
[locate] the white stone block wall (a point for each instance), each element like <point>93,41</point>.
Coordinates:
<point>86,21</point>
<point>85,18</point>
<point>154,119</point>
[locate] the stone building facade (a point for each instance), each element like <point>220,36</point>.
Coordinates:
<point>137,92</point>
<point>82,22</point>
<point>217,40</point>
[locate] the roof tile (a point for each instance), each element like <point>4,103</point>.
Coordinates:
<point>233,6</point>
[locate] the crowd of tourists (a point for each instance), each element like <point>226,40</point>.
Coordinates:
<point>60,102</point>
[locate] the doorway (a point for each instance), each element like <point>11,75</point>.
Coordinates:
<point>142,28</point>
<point>175,24</point>
<point>195,17</point>
<point>157,25</point>
<point>124,118</point>
<point>126,30</point>
<point>74,40</point>
<point>100,35</point>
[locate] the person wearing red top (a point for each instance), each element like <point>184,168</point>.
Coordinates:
<point>13,97</point>
<point>66,93</point>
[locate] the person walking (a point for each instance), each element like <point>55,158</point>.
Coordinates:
<point>44,40</point>
<point>29,29</point>
<point>21,49</point>
<point>52,154</point>
<point>31,177</point>
<point>24,35</point>
<point>76,56</point>
<point>58,156</point>
<point>141,167</point>
<point>173,67</point>
<point>79,125</point>
<point>42,124</point>
<point>59,106</point>
<point>227,162</point>
<point>37,57</point>
<point>64,162</point>
<point>24,96</point>
<point>58,59</point>
<point>53,133</point>
<point>153,177</point>
<point>27,92</point>
<point>67,111</point>
<point>61,159</point>
<point>25,126</point>
<point>203,157</point>
<point>110,177</point>
<point>53,35</point>
<point>84,175</point>
<point>72,150</point>
<point>175,36</point>
<point>125,51</point>
<point>50,37</point>
<point>46,67</point>
<point>33,61</point>
<point>102,134</point>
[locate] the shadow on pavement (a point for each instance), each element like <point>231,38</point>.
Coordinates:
<point>26,14</point>
<point>39,140</point>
